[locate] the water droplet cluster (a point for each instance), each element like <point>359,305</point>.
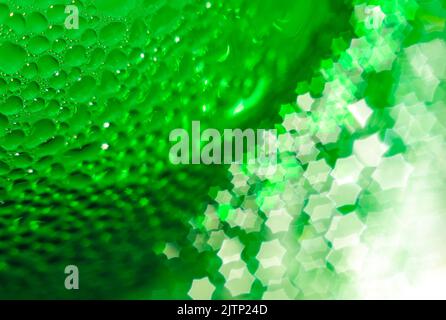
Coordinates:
<point>85,116</point>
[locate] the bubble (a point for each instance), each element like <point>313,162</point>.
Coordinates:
<point>36,22</point>
<point>3,86</point>
<point>75,56</point>
<point>38,45</point>
<point>47,65</point>
<point>37,104</point>
<point>116,60</point>
<point>13,139</point>
<point>83,89</point>
<point>32,91</point>
<point>4,12</point>
<point>29,71</point>
<point>43,129</point>
<point>13,105</point>
<point>12,57</point>
<point>4,122</point>
<point>56,14</point>
<point>113,33</point>
<point>89,37</point>
<point>17,23</point>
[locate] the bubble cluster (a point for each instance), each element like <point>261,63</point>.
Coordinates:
<point>84,121</point>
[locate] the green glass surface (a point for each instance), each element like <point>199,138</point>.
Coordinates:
<point>85,117</point>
